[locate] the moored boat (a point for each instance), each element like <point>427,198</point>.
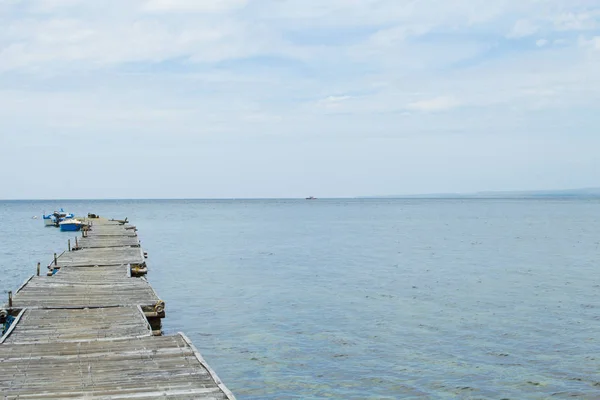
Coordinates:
<point>56,217</point>
<point>71,225</point>
<point>49,220</point>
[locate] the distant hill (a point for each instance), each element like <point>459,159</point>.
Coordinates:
<point>562,193</point>
<point>586,192</point>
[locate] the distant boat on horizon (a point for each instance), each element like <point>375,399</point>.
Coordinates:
<point>311,198</point>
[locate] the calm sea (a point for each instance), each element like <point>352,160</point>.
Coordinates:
<point>364,299</point>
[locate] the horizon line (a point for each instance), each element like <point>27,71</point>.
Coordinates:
<point>581,191</point>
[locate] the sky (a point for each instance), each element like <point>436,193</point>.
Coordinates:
<point>291,98</point>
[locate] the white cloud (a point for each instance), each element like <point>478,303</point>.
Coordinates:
<point>51,5</point>
<point>391,36</point>
<point>266,58</point>
<point>334,99</point>
<point>333,103</point>
<point>200,6</point>
<point>442,103</point>
<point>522,28</point>
<point>577,21</point>
<point>592,43</point>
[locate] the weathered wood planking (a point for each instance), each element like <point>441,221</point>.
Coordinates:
<point>111,228</point>
<point>110,232</point>
<point>103,221</point>
<point>91,242</point>
<point>47,292</point>
<point>108,225</point>
<point>101,256</point>
<point>56,325</point>
<point>92,275</point>
<point>85,331</point>
<point>140,368</point>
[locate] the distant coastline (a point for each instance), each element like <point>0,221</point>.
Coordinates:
<point>529,194</point>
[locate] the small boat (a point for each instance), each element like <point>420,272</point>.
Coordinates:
<point>56,217</point>
<point>311,198</point>
<point>71,225</point>
<point>62,215</point>
<point>49,220</point>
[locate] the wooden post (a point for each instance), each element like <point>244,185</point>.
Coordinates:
<point>55,259</point>
<point>69,244</point>
<point>38,269</point>
<point>76,243</point>
<point>10,299</point>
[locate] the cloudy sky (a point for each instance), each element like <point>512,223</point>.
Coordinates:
<point>290,98</point>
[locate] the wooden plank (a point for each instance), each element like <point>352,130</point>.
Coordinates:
<point>92,275</point>
<point>212,373</point>
<point>103,222</point>
<point>108,224</point>
<point>91,242</point>
<point>12,327</point>
<point>147,367</point>
<point>101,256</point>
<point>48,292</point>
<point>111,228</point>
<point>111,232</point>
<point>86,331</point>
<point>59,325</point>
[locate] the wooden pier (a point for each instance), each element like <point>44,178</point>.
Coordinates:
<point>90,328</point>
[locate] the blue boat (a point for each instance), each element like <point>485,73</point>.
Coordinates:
<point>56,217</point>
<point>49,220</point>
<point>71,225</point>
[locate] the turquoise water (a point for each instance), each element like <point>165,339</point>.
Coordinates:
<point>365,299</point>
